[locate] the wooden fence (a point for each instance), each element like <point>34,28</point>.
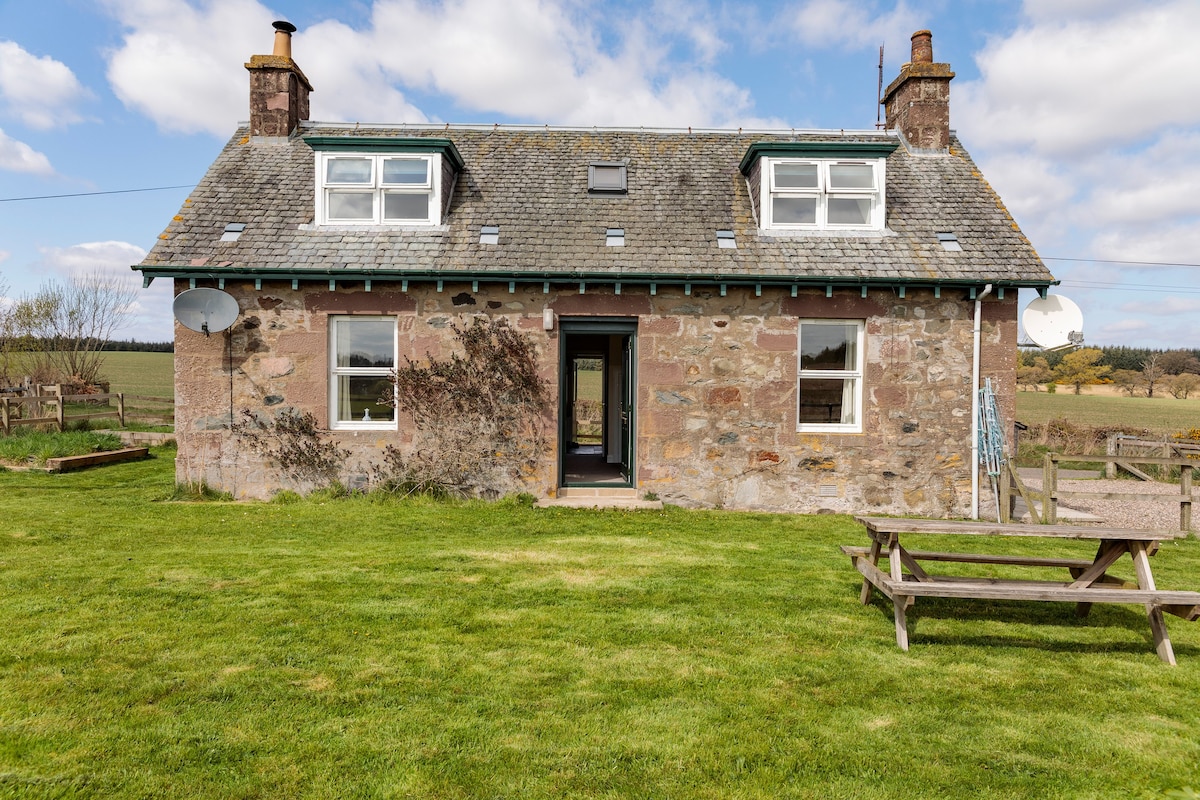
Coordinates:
<point>61,410</point>
<point>1132,447</point>
<point>1051,494</point>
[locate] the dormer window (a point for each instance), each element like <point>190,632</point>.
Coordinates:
<point>375,189</point>
<point>819,186</point>
<point>383,181</point>
<point>823,194</point>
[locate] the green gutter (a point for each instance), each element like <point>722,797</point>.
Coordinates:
<point>881,149</point>
<point>386,144</point>
<point>595,278</point>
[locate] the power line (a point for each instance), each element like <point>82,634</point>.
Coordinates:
<point>1111,261</point>
<point>93,194</point>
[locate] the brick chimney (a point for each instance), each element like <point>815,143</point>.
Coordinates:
<point>918,101</point>
<point>278,89</point>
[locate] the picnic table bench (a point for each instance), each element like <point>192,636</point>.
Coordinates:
<point>906,578</point>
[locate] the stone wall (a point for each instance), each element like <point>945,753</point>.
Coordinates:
<point>716,416</point>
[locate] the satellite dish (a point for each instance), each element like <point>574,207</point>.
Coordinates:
<point>205,310</point>
<point>1053,322</point>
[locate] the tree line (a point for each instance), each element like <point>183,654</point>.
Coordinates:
<point>1136,371</point>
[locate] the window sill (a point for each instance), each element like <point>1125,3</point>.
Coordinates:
<point>827,233</point>
<point>371,227</point>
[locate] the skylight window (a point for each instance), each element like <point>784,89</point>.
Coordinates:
<point>726,241</point>
<point>615,237</point>
<point>232,231</point>
<point>607,177</point>
<point>489,234</point>
<point>950,242</point>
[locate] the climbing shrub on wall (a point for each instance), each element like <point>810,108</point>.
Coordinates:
<point>293,444</point>
<point>479,417</point>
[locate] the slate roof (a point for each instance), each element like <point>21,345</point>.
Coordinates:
<point>532,182</point>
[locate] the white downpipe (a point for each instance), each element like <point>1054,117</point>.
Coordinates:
<point>975,402</point>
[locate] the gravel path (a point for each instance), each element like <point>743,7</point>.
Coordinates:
<point>1120,513</point>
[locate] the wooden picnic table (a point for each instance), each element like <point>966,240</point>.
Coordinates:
<point>906,578</point>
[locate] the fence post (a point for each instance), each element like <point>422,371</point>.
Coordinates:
<point>61,414</point>
<point>1110,466</point>
<point>121,408</point>
<point>4,414</point>
<point>1185,504</point>
<point>1005,493</point>
<point>1049,490</point>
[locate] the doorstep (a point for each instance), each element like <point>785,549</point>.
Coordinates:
<point>598,497</point>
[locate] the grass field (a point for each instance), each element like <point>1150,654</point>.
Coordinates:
<point>1160,415</point>
<point>355,648</point>
<point>146,374</point>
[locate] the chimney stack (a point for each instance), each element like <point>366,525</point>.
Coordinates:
<point>278,89</point>
<point>918,101</point>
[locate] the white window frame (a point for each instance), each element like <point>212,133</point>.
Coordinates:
<point>432,188</point>
<point>336,372</point>
<point>852,378</point>
<point>822,193</point>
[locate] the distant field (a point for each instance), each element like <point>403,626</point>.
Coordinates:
<point>1161,415</point>
<point>148,374</point>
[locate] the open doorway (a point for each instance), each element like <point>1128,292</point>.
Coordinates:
<point>596,412</point>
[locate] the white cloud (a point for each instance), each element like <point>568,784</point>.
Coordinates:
<point>1169,306</point>
<point>531,60</point>
<point>1124,326</point>
<point>150,315</point>
<point>1068,86</point>
<point>41,92</point>
<point>112,258</point>
<point>852,25</point>
<point>182,66</point>
<point>19,157</point>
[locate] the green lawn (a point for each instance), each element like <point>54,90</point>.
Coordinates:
<point>356,648</point>
<point>1160,415</point>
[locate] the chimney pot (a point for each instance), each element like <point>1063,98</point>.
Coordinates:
<point>922,47</point>
<point>283,38</point>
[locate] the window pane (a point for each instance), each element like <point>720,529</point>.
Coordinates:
<point>406,170</point>
<point>607,177</point>
<point>358,398</point>
<point>348,170</point>
<point>796,176</point>
<point>397,205</point>
<point>851,176</point>
<point>350,205</point>
<point>850,210</point>
<point>825,402</point>
<point>366,343</point>
<point>831,347</point>
<point>794,210</point>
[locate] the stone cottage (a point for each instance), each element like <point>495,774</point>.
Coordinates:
<point>782,320</point>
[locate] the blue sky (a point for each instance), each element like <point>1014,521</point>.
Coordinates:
<point>1082,113</point>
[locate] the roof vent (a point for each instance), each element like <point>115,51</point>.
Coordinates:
<point>726,240</point>
<point>232,231</point>
<point>615,237</point>
<point>950,242</point>
<point>489,234</point>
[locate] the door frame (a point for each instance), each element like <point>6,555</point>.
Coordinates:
<point>597,326</point>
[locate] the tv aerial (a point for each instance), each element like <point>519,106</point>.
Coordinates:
<point>1053,322</point>
<point>205,310</point>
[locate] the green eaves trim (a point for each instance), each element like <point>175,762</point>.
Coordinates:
<point>881,149</point>
<point>381,276</point>
<point>387,144</point>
